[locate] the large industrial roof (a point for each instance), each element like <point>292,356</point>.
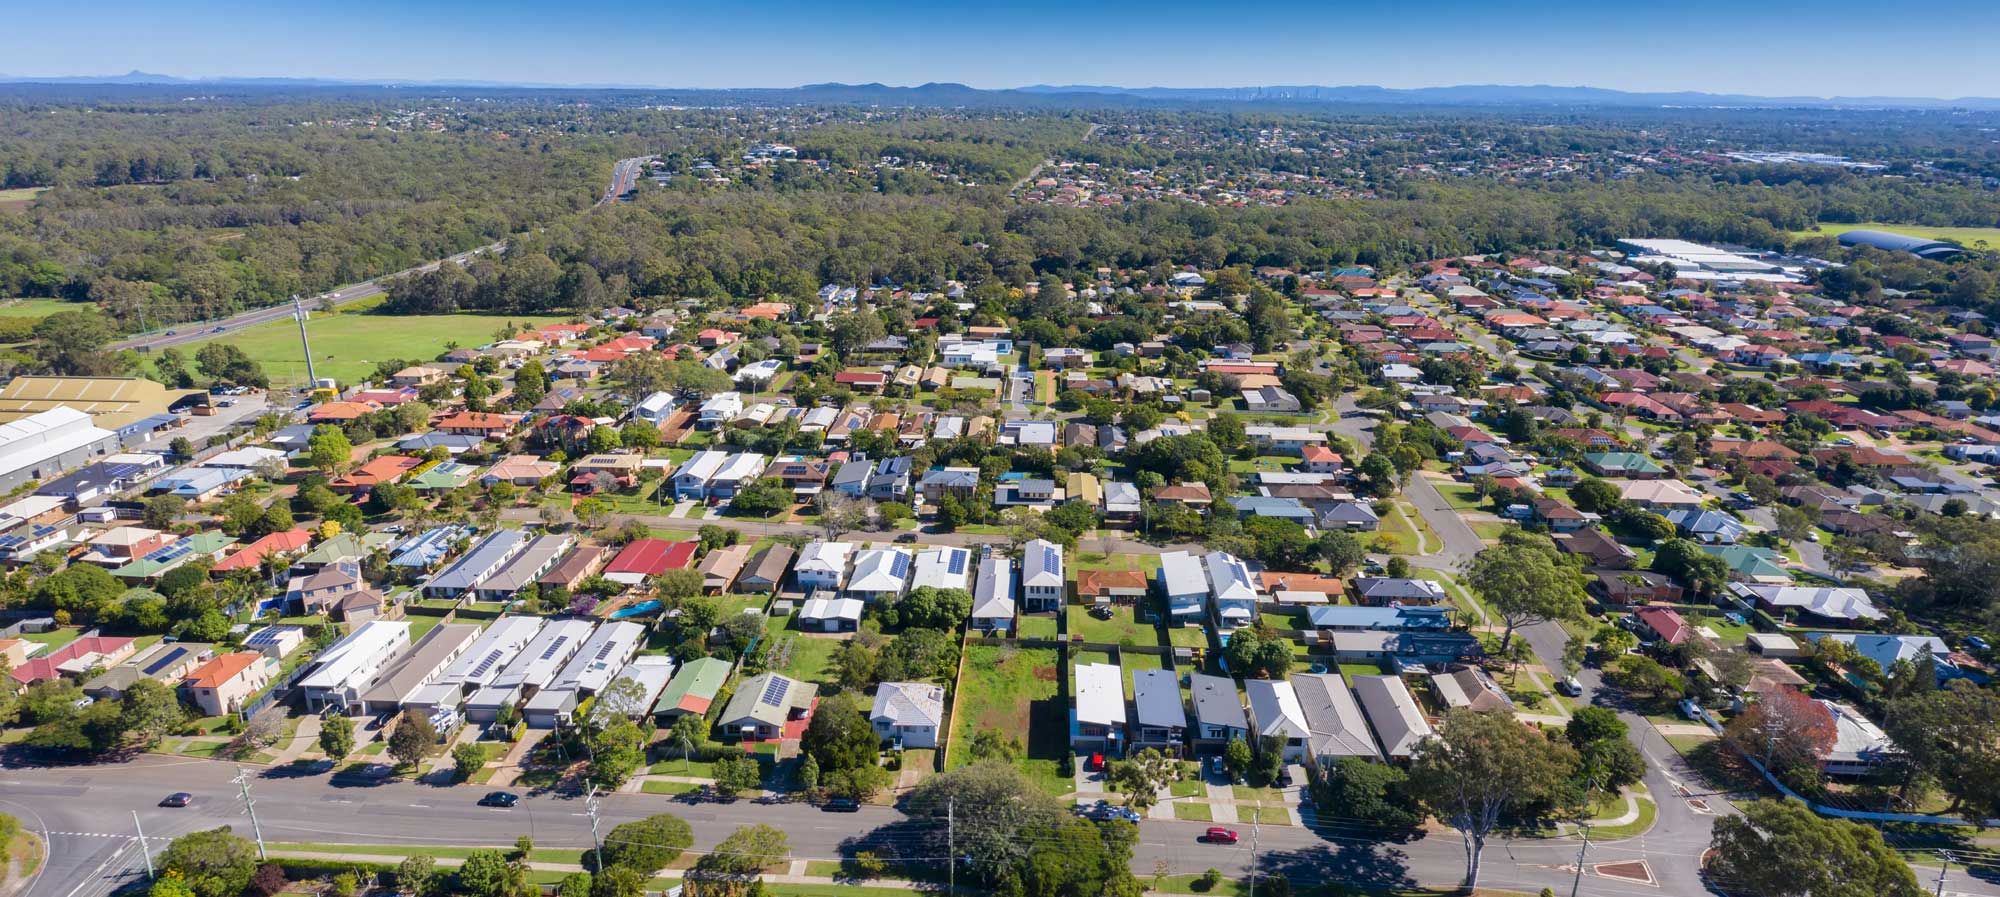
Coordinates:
<point>1917,246</point>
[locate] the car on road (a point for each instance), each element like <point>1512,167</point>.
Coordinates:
<point>906,537</point>
<point>220,329</point>
<point>1570,687</point>
<point>502,799</point>
<point>1219,835</point>
<point>841,805</point>
<point>178,799</point>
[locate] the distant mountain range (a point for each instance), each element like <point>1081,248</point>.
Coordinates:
<point>1042,95</point>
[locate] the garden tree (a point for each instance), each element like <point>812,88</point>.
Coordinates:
<point>1526,581</point>
<point>1142,776</point>
<point>1613,641</point>
<point>603,439</point>
<point>808,774</point>
<point>485,873</point>
<point>1793,524</point>
<point>1342,551</point>
<point>1595,496</point>
<point>1180,459</point>
<point>992,806</point>
<point>1075,516</point>
<point>1479,768</point>
<point>1379,476</point>
<point>853,331</point>
<point>328,449</point>
<point>624,698</point>
<point>927,607</point>
<point>736,773</point>
<point>679,584</point>
<point>647,845</point>
<point>1236,755</point>
<point>1374,792</point>
<point>1685,559</point>
<point>840,736</point>
<point>149,711</point>
<point>1644,676</point>
<point>918,654</point>
<point>840,514</point>
<point>417,875</point>
<point>162,511</point>
<point>213,863</point>
<point>687,735</point>
<point>762,498</point>
<point>1282,544</point>
<point>1964,563</point>
<point>1780,848</point>
<point>1259,654</point>
<point>85,590</point>
<point>1608,759</point>
<point>412,738</point>
<point>575,884</point>
<point>1952,736</point>
<point>744,854</point>
<point>1784,727</point>
<point>854,662</point>
<point>531,383</point>
<point>617,881</point>
<point>993,744</point>
<point>466,759</point>
<point>69,343</point>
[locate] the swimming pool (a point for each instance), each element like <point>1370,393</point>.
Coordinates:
<point>649,606</point>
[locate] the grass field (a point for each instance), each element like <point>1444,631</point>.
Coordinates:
<point>1012,690</point>
<point>347,346</point>
<point>1964,236</point>
<point>37,308</point>
<point>18,197</point>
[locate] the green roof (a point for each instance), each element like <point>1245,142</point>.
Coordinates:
<point>449,475</point>
<point>1748,561</point>
<point>693,688</point>
<point>1629,461</point>
<point>197,545</point>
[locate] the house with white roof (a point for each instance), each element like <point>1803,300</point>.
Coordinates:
<point>479,666</point>
<point>719,409</point>
<point>588,671</point>
<point>879,573</point>
<point>944,567</point>
<point>1827,603</point>
<point>350,666</point>
<point>1275,713</point>
<point>1042,580</point>
<point>1098,719</point>
<point>532,670</point>
<point>741,469</point>
<point>909,712</point>
<point>692,477</point>
<point>993,595</point>
<point>823,565</point>
<point>1183,587</point>
<point>820,614</point>
<point>1232,591</point>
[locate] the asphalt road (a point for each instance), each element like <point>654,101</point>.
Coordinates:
<point>192,332</point>
<point>87,813</point>
<point>624,177</point>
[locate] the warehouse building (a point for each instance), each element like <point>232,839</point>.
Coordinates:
<point>113,402</point>
<point>43,445</point>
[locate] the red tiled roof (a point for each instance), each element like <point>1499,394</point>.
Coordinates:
<point>250,556</point>
<point>651,557</point>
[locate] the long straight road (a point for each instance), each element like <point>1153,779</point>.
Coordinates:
<point>87,813</point>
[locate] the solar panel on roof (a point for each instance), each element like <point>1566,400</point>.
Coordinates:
<point>165,661</point>
<point>554,647</point>
<point>774,691</point>
<point>1051,561</point>
<point>955,562</point>
<point>899,565</point>
<point>491,658</point>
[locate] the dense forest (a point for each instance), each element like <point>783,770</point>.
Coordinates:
<point>162,208</point>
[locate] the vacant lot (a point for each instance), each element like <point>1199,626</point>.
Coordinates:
<point>348,346</point>
<point>37,308</point>
<point>18,198</point>
<point>1012,690</point>
<point>1965,236</point>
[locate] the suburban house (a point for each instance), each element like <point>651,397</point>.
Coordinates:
<point>993,595</point>
<point>1398,722</point>
<point>1161,720</point>
<point>692,690</point>
<point>1183,587</point>
<point>766,571</point>
<point>1232,590</point>
<point>763,706</point>
<point>830,615</point>
<point>909,713</point>
<point>1334,723</point>
<point>1110,586</point>
<point>1275,712</point>
<point>1218,711</point>
<point>823,565</point>
<point>1380,590</point>
<point>1042,580</point>
<point>1462,685</point>
<point>1098,720</point>
<point>224,683</point>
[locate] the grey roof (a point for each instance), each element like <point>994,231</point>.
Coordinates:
<point>423,663</point>
<point>1398,722</point>
<point>481,561</point>
<point>1216,702</point>
<point>993,589</point>
<point>1156,695</point>
<point>1338,728</point>
<point>767,698</point>
<point>909,703</point>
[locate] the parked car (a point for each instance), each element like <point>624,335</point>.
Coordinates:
<point>502,799</point>
<point>1569,687</point>
<point>1690,709</point>
<point>1095,763</point>
<point>1219,835</point>
<point>1101,611</point>
<point>841,805</point>
<point>177,799</point>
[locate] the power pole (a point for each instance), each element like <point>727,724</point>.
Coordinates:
<point>597,844</point>
<point>250,806</point>
<point>299,313</point>
<point>1577,882</point>
<point>1253,847</point>
<point>950,851</point>
<point>1946,856</point>
<point>148,853</point>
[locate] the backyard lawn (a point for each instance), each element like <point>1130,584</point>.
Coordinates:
<point>808,658</point>
<point>1122,628</point>
<point>1039,626</point>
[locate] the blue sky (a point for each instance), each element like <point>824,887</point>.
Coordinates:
<point>1777,47</point>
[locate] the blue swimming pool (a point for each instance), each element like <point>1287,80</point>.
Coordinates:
<point>648,606</point>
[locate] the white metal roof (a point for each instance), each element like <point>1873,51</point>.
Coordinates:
<point>352,660</point>
<point>1180,574</point>
<point>1274,708</point>
<point>1229,578</point>
<point>601,657</point>
<point>483,662</point>
<point>1100,694</point>
<point>538,663</point>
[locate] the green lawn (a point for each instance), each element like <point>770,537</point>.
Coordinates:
<point>809,659</point>
<point>1193,812</point>
<point>1647,812</point>
<point>655,787</point>
<point>1187,637</point>
<point>1038,626</point>
<point>1132,662</point>
<point>1187,788</point>
<point>1122,628</point>
<point>1965,236</point>
<point>36,308</point>
<point>347,346</point>
<point>1012,690</point>
<point>54,638</point>
<point>1263,815</point>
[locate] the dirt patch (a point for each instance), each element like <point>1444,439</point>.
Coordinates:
<point>1633,871</point>
<point>1045,674</point>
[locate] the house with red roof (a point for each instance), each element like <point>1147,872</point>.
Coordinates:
<point>641,558</point>
<point>866,381</point>
<point>251,556</point>
<point>483,424</point>
<point>341,412</point>
<point>1664,624</point>
<point>364,479</point>
<point>75,659</point>
<point>1319,459</point>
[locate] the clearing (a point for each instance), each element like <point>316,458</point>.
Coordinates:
<point>347,346</point>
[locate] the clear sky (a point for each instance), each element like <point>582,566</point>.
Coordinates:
<point>1942,48</point>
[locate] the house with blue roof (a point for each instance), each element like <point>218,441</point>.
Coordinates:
<point>1389,618</point>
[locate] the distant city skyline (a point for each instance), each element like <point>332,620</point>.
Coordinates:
<point>1783,48</point>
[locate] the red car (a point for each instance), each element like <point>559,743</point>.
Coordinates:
<point>1096,762</point>
<point>1219,835</point>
